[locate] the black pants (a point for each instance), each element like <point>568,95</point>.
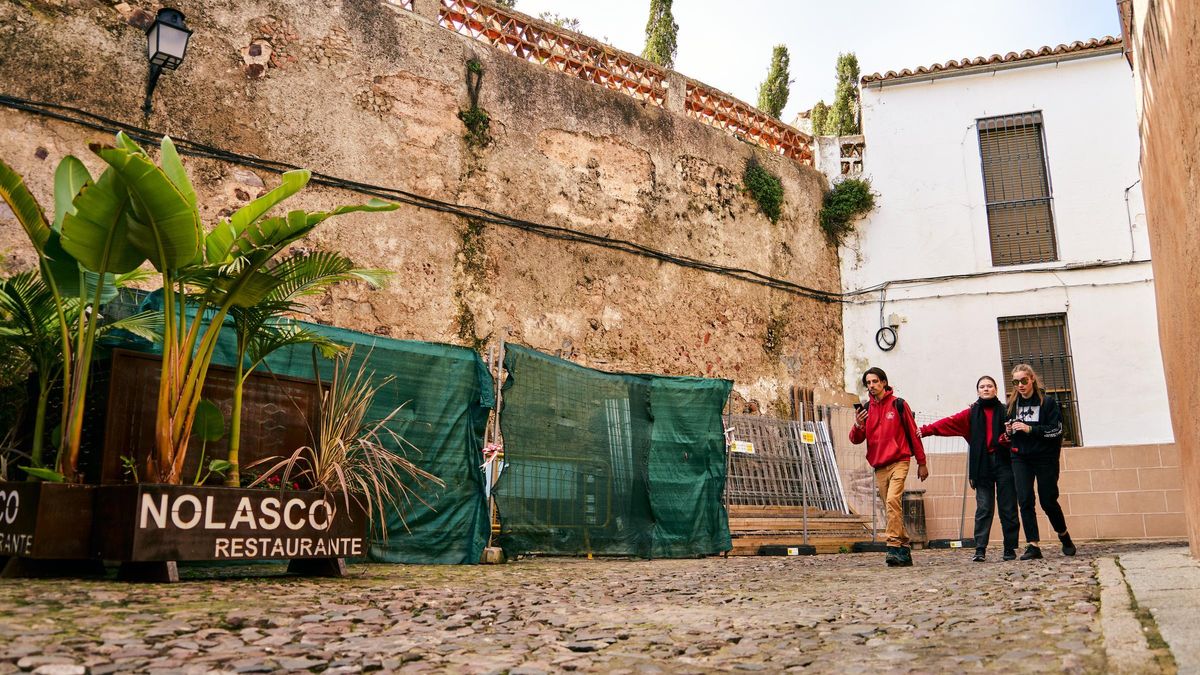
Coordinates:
<point>1043,469</point>
<point>996,489</point>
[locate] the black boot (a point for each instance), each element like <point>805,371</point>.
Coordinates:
<point>893,556</point>
<point>905,557</point>
<point>1032,553</point>
<point>980,555</point>
<point>1067,544</point>
<point>1010,554</point>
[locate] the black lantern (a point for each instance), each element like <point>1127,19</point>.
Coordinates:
<point>166,44</point>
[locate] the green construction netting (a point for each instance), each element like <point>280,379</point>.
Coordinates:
<point>449,393</point>
<point>610,463</point>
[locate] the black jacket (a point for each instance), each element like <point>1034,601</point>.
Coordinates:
<point>1045,422</point>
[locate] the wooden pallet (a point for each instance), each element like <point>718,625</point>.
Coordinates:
<point>829,532</point>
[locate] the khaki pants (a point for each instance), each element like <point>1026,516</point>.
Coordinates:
<point>890,480</point>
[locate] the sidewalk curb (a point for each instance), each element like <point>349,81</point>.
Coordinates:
<point>1124,642</point>
<point>1165,582</point>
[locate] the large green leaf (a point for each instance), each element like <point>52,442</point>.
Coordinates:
<point>166,228</point>
<point>60,266</point>
<point>69,178</point>
<point>173,167</point>
<point>220,241</point>
<point>24,206</point>
<point>97,233</point>
<point>107,293</point>
<point>210,423</point>
<point>372,206</point>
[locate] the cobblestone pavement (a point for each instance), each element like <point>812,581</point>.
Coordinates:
<point>833,613</point>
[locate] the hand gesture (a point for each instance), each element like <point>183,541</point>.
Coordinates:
<point>922,472</point>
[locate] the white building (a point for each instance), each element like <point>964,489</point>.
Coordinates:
<point>1009,227</point>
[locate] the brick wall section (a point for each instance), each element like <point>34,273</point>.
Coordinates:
<point>1117,492</point>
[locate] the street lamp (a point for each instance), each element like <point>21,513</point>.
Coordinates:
<point>166,43</point>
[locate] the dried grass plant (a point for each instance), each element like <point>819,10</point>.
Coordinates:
<point>353,454</point>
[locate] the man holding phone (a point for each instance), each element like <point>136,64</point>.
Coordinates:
<point>887,424</point>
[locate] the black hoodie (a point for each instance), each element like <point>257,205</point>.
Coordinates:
<point>1045,427</point>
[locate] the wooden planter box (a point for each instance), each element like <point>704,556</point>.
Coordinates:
<point>148,528</point>
<point>46,529</point>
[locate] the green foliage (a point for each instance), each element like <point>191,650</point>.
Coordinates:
<point>44,474</point>
<point>773,92</point>
<point>820,117</point>
<point>765,187</point>
<point>506,3</point>
<point>847,200</point>
<point>477,121</point>
<point>474,66</point>
<point>661,33</point>
<point>843,118</point>
<point>773,339</point>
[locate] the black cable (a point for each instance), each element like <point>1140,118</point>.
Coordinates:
<point>96,122</point>
<point>185,146</point>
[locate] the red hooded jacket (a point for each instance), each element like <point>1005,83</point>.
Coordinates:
<point>890,437</point>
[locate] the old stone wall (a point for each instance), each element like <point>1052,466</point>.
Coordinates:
<point>367,92</point>
<point>1166,56</point>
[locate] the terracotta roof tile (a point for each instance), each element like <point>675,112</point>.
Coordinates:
<point>1010,57</point>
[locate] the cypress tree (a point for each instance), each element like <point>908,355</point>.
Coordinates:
<point>820,117</point>
<point>843,118</point>
<point>661,31</point>
<point>773,92</point>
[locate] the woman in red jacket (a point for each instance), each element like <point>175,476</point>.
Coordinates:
<point>989,465</point>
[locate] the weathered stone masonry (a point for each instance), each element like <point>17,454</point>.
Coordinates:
<point>368,92</point>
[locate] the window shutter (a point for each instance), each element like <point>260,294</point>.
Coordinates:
<point>1017,189</point>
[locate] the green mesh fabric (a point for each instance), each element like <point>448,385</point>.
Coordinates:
<point>447,392</point>
<point>610,463</point>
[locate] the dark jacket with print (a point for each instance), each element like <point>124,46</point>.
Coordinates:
<point>1045,427</point>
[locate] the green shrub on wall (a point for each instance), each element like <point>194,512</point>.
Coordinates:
<point>765,187</point>
<point>846,201</point>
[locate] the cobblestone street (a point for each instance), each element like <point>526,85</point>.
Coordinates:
<point>833,613</point>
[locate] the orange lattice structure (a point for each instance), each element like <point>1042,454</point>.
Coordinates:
<point>567,53</point>
<point>725,112</point>
<point>582,57</point>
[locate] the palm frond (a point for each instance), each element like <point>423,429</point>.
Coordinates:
<point>146,325</point>
<point>272,337</point>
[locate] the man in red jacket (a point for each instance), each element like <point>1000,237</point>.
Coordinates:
<point>886,423</point>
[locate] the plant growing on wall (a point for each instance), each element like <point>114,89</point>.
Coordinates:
<point>773,92</point>
<point>765,187</point>
<point>204,274</point>
<point>475,119</point>
<point>567,22</point>
<point>847,200</point>
<point>265,327</point>
<point>661,33</point>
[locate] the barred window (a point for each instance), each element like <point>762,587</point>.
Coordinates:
<point>1042,342</point>
<point>1017,189</point>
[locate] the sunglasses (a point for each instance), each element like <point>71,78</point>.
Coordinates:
<point>1023,380</point>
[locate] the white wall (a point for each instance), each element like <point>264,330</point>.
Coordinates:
<point>922,156</point>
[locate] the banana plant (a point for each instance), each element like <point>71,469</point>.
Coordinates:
<point>205,275</point>
<point>79,253</point>
<point>267,326</point>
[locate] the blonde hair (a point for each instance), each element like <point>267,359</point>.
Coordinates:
<point>1039,390</point>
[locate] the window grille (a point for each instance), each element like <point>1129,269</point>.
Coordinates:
<point>1017,189</point>
<point>1042,342</point>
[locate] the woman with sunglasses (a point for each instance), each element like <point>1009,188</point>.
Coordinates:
<point>989,465</point>
<point>1035,428</point>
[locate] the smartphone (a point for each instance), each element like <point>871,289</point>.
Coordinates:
<point>858,407</point>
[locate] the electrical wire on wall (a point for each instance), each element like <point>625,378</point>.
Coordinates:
<point>100,123</point>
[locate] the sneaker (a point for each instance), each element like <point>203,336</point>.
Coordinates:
<point>1032,553</point>
<point>905,557</point>
<point>979,557</point>
<point>1067,545</point>
<point>1010,554</point>
<point>893,556</point>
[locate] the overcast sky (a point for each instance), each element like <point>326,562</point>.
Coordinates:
<point>728,44</point>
